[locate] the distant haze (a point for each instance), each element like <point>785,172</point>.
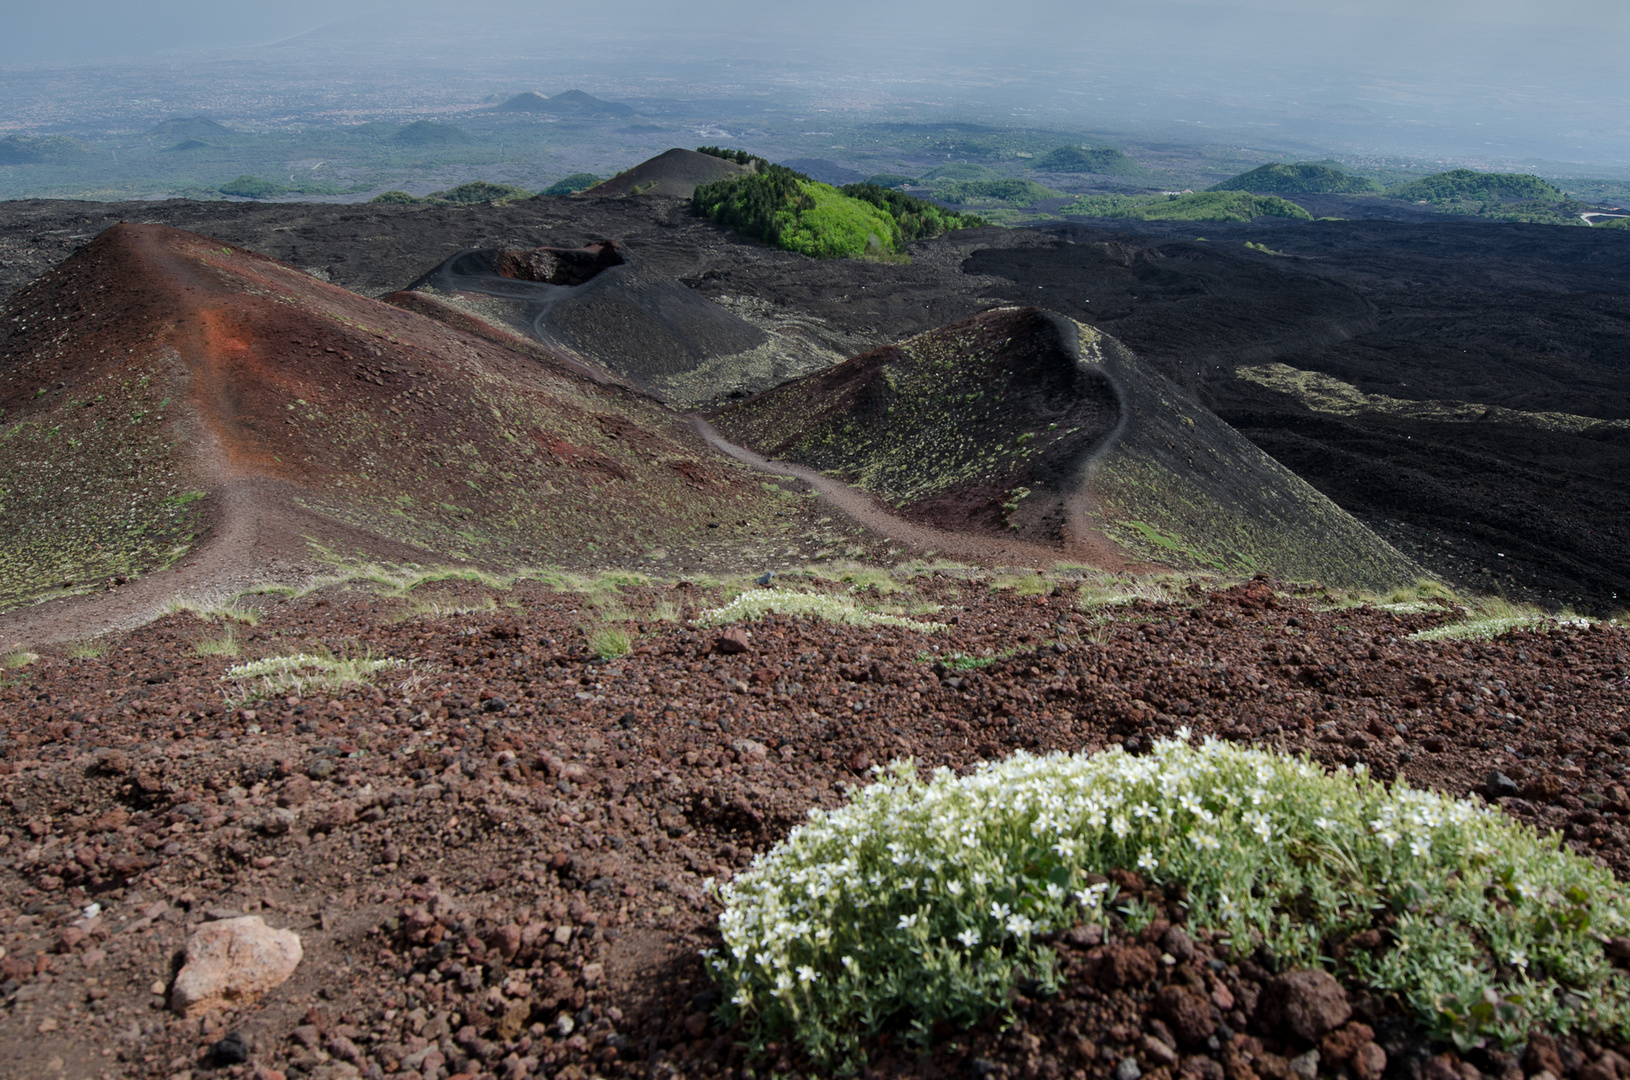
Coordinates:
<point>1511,78</point>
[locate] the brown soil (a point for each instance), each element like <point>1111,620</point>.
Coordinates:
<point>512,832</point>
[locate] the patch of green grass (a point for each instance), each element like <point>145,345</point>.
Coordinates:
<point>437,608</point>
<point>610,642</point>
<point>964,661</point>
<point>303,674</point>
<point>223,644</point>
<point>756,603</point>
<point>1491,616</point>
<point>924,902</point>
<point>1020,584</point>
<point>1424,595</point>
<point>212,612</point>
<point>859,577</point>
<point>83,650</point>
<point>20,658</point>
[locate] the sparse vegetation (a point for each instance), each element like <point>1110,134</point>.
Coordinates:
<point>1491,616</point>
<point>928,901</point>
<point>225,643</point>
<point>610,642</point>
<point>756,603</point>
<point>302,674</point>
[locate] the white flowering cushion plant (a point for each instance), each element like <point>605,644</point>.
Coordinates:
<point>927,901</point>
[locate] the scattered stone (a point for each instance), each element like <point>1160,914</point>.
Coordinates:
<point>232,964</point>
<point>1187,1013</point>
<point>232,1049</point>
<point>1497,785</point>
<point>733,641</point>
<point>1308,1003</point>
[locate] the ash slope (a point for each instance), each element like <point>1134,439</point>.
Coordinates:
<point>1512,316</point>
<point>162,391</point>
<point>1022,422</point>
<point>606,304</point>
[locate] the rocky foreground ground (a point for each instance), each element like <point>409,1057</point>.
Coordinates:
<point>493,859</point>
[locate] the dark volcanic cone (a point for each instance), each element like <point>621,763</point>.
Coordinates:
<point>1024,423</point>
<point>161,392</point>
<point>677,173</point>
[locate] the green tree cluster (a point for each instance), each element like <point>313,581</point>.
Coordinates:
<point>918,219</point>
<point>1203,206</point>
<point>1014,192</point>
<point>1469,185</point>
<point>740,157</point>
<point>1302,178</point>
<point>480,191</point>
<point>795,213</point>
<point>570,185</point>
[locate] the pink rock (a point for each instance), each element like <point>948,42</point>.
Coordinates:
<point>733,640</point>
<point>232,963</point>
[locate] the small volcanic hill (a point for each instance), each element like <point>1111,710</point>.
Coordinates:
<point>170,400</point>
<point>571,103</point>
<point>189,127</point>
<point>677,172</point>
<point>1022,422</point>
<point>430,133</point>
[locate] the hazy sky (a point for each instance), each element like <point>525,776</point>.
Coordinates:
<point>1540,76</point>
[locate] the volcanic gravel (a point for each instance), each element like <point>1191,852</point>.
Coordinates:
<point>495,857</point>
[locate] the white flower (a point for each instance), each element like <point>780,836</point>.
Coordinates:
<point>807,973</point>
<point>1519,959</point>
<point>969,938</point>
<point>1019,925</point>
<point>1065,847</point>
<point>954,887</point>
<point>999,911</point>
<point>907,922</point>
<point>1054,891</point>
<point>1147,860</point>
